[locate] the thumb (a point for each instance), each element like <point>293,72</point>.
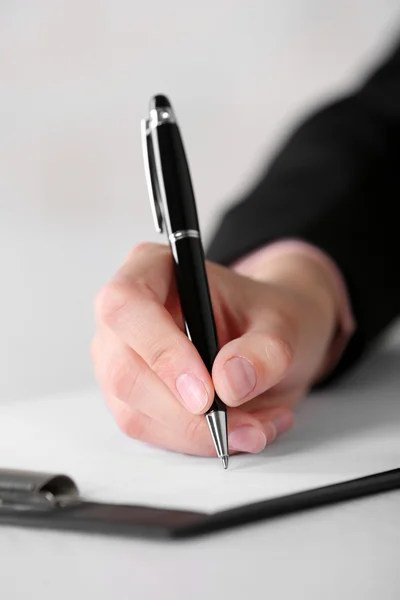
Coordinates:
<point>250,365</point>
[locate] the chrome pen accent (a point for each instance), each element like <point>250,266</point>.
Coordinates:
<point>154,175</point>
<point>159,116</point>
<point>185,233</point>
<point>218,426</point>
<point>154,205</point>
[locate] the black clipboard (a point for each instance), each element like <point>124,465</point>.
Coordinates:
<point>48,501</point>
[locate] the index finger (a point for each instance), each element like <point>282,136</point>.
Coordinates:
<point>134,306</point>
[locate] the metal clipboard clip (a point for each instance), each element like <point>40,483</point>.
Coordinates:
<point>152,163</point>
<point>29,490</point>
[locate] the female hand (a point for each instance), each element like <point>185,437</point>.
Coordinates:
<point>275,326</point>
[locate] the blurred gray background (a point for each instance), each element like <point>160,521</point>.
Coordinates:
<point>75,78</point>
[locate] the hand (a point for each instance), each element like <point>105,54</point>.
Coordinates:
<point>275,326</point>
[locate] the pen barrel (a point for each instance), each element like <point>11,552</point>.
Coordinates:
<point>196,305</point>
<point>181,213</point>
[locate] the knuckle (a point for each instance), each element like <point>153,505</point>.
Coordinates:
<point>161,359</point>
<point>140,249</point>
<point>146,248</point>
<point>198,438</point>
<point>123,423</point>
<point>192,429</point>
<point>131,423</point>
<point>123,379</point>
<point>279,351</point>
<point>110,302</point>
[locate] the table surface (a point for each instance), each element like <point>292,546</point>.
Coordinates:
<point>347,551</point>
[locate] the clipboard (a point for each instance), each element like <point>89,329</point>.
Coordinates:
<point>52,501</point>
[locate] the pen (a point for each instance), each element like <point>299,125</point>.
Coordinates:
<point>174,211</point>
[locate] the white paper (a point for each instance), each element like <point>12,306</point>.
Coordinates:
<point>349,432</point>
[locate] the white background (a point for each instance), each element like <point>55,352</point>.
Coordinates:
<point>75,78</point>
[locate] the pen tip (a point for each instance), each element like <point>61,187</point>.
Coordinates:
<point>225,460</point>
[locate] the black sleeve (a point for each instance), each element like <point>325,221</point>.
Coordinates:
<point>336,184</point>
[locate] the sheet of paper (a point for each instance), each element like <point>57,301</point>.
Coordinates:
<point>353,430</point>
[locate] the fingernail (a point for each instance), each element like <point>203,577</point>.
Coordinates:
<point>240,375</point>
<point>283,422</point>
<point>247,439</point>
<point>192,391</point>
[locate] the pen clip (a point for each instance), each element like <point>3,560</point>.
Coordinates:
<point>150,175</point>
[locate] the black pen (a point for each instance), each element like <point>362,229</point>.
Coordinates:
<point>174,210</point>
